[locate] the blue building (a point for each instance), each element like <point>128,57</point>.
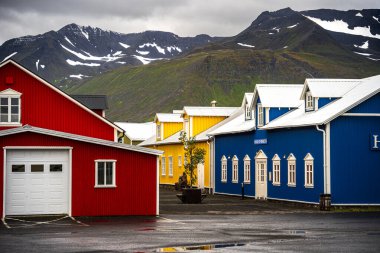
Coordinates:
<point>296,142</point>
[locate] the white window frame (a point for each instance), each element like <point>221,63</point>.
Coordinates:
<point>163,166</point>
<point>179,161</point>
<point>158,131</point>
<point>309,171</point>
<point>223,168</point>
<point>260,115</point>
<point>248,114</point>
<point>292,170</point>
<point>105,185</point>
<point>186,126</point>
<point>276,163</point>
<point>309,102</point>
<point>170,158</point>
<point>235,169</point>
<point>247,169</point>
<point>9,94</point>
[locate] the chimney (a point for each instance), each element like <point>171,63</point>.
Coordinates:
<point>213,103</point>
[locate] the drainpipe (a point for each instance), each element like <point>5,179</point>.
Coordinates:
<point>324,159</point>
<point>211,162</point>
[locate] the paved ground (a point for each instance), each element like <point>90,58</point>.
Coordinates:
<point>221,224</point>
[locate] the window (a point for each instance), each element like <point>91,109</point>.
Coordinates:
<point>158,133</point>
<point>260,115</point>
<point>37,168</point>
<point>309,102</point>
<point>163,166</point>
<point>235,166</point>
<point>291,170</point>
<point>224,169</point>
<point>18,167</point>
<point>179,161</point>
<point>105,173</point>
<point>186,127</point>
<point>309,170</point>
<point>10,107</point>
<point>276,169</point>
<point>55,167</point>
<point>247,169</point>
<point>170,166</point>
<point>247,112</point>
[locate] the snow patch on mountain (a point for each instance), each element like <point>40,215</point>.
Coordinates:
<point>364,46</point>
<point>67,39</point>
<point>145,60</point>
<point>373,59</point>
<point>90,57</point>
<point>9,56</point>
<point>84,33</point>
<point>375,18</point>
<point>359,14</point>
<point>75,63</point>
<point>159,49</point>
<point>38,61</point>
<point>276,29</point>
<point>365,54</point>
<point>79,76</point>
<point>143,52</point>
<point>121,62</point>
<point>42,66</point>
<point>292,26</point>
<point>169,49</point>
<point>245,45</point>
<point>342,27</point>
<point>117,53</point>
<point>124,45</point>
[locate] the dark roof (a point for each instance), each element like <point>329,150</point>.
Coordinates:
<point>93,102</point>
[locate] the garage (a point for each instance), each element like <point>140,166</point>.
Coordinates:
<point>37,181</point>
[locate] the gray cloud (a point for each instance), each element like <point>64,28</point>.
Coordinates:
<point>183,17</point>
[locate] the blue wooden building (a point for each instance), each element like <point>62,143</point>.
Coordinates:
<point>296,142</point>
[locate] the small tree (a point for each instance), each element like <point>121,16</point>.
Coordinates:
<point>193,156</point>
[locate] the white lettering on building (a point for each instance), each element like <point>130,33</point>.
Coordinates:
<point>375,142</point>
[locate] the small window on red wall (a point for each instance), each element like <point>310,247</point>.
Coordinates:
<point>105,173</point>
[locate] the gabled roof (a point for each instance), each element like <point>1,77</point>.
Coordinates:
<point>364,89</point>
<point>168,117</point>
<point>94,102</point>
<point>209,110</point>
<point>248,98</point>
<point>31,129</point>
<point>10,61</point>
<point>137,131</point>
<point>278,95</point>
<point>328,88</point>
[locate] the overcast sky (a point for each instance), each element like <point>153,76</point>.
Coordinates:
<point>183,17</point>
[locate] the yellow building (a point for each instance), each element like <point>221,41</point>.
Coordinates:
<point>196,122</point>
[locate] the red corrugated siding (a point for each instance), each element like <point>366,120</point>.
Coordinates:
<point>136,174</point>
<point>43,107</point>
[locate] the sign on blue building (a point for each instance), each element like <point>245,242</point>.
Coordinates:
<point>375,141</point>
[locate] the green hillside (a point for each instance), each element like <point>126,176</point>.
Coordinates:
<point>135,94</point>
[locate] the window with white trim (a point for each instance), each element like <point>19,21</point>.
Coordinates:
<point>309,101</point>
<point>179,161</point>
<point>163,166</point>
<point>105,173</point>
<point>247,112</point>
<point>186,126</point>
<point>10,107</point>
<point>170,166</point>
<point>309,170</point>
<point>235,168</point>
<point>247,169</point>
<point>260,115</point>
<point>158,131</point>
<point>276,169</point>
<point>291,170</point>
<point>224,169</point>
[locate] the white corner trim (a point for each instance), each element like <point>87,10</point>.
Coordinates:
<point>328,161</point>
<point>362,114</point>
<point>4,180</point>
<point>157,185</point>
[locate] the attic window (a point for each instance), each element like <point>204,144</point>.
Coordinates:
<point>260,115</point>
<point>247,112</point>
<point>158,129</point>
<point>10,107</point>
<point>309,102</point>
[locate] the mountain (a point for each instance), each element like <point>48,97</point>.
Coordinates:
<point>357,30</point>
<point>278,47</point>
<point>76,52</point>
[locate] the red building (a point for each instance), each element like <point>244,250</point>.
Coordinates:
<point>61,157</point>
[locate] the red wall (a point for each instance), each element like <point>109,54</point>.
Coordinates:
<point>136,174</point>
<point>43,107</point>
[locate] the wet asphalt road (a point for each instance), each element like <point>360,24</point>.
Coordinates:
<point>273,228</point>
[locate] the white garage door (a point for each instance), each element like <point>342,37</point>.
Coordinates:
<point>37,182</point>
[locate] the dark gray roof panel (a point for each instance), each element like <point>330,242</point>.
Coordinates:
<point>93,102</point>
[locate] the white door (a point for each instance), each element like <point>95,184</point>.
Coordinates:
<point>261,178</point>
<point>37,182</point>
<point>200,175</point>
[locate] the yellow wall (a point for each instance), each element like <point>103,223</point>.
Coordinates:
<point>201,124</point>
<point>175,150</point>
<point>170,128</point>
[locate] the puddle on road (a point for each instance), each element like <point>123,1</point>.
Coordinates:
<point>199,247</point>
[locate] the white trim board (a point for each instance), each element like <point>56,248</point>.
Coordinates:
<point>362,114</point>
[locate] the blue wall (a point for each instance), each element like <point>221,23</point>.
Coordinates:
<point>324,101</point>
<point>298,141</point>
<point>355,168</point>
<point>277,112</point>
<point>372,105</point>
